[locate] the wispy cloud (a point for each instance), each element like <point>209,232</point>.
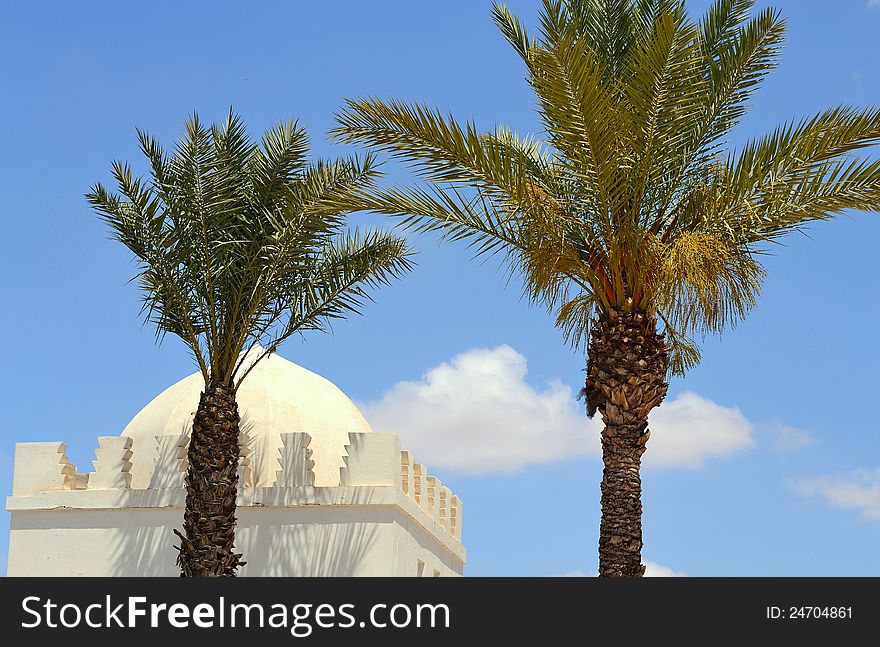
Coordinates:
<point>873,4</point>
<point>858,490</point>
<point>658,570</point>
<point>652,569</point>
<point>785,438</point>
<point>477,414</point>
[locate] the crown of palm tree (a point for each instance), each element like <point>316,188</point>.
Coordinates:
<point>241,245</point>
<point>632,202</point>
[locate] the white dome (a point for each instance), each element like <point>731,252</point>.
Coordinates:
<point>277,397</point>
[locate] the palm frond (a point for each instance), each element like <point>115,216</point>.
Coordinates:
<point>239,243</point>
<point>513,30</point>
<point>629,202</point>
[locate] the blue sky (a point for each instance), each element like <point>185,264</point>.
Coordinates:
<point>771,465</point>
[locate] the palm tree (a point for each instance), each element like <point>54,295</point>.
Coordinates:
<point>633,220</point>
<point>240,246</point>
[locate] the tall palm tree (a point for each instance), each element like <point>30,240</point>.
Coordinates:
<point>633,221</point>
<point>239,247</point>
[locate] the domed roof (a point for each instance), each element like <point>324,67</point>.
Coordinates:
<point>276,397</point>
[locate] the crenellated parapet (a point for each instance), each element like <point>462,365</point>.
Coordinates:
<point>169,468</point>
<point>297,468</point>
<point>245,470</point>
<point>371,462</point>
<point>112,464</point>
<point>376,459</point>
<point>42,466</point>
<point>371,459</point>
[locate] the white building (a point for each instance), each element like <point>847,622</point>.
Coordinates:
<point>320,492</point>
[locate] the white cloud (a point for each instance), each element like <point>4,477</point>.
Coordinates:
<point>786,438</point>
<point>690,429</point>
<point>859,489</point>
<point>873,3</point>
<point>652,569</point>
<point>478,414</point>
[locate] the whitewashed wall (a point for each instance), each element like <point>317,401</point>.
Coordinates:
<point>387,517</point>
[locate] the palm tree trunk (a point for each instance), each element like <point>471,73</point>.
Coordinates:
<point>626,372</point>
<point>206,550</point>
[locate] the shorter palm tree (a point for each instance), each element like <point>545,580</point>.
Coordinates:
<point>239,247</point>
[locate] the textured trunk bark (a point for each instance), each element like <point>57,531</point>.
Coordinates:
<point>206,547</point>
<point>626,372</point>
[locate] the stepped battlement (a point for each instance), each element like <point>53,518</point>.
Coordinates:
<point>370,460</point>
